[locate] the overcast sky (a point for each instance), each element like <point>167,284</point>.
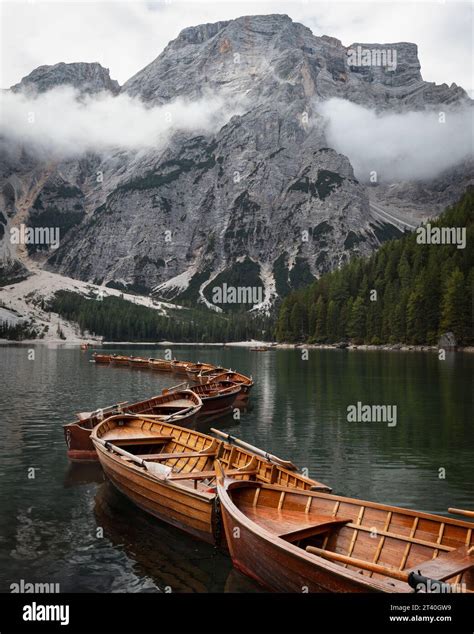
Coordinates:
<point>125,36</point>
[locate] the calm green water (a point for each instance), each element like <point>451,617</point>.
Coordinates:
<point>49,524</point>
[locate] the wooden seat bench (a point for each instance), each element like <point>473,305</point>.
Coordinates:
<point>324,524</point>
<point>204,475</point>
<point>292,529</point>
<point>179,454</point>
<point>122,441</point>
<point>446,565</point>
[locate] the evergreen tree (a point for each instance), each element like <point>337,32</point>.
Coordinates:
<point>297,321</point>
<point>454,309</point>
<point>357,320</point>
<point>331,321</point>
<point>320,321</point>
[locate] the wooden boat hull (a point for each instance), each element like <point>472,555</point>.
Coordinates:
<point>79,444</point>
<point>187,499</point>
<point>194,514</point>
<point>77,434</point>
<point>276,528</point>
<point>217,404</point>
<point>101,358</point>
<point>217,397</point>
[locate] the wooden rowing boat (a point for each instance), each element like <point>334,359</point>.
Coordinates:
<point>194,369</point>
<point>118,359</point>
<point>168,471</point>
<point>259,349</point>
<point>180,406</point>
<point>138,362</point>
<point>161,365</point>
<point>217,397</point>
<point>101,358</point>
<point>180,367</point>
<point>302,541</point>
<point>245,382</point>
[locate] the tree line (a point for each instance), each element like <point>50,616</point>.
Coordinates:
<point>19,331</point>
<point>406,292</point>
<point>117,319</point>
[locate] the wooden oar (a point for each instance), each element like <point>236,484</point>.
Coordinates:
<point>411,578</point>
<point>104,410</point>
<point>268,456</point>
<point>158,470</point>
<point>359,563</point>
<point>175,387</point>
<point>183,411</point>
<point>461,512</point>
<point>220,390</point>
<point>159,417</point>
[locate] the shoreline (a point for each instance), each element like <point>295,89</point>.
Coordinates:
<point>59,343</point>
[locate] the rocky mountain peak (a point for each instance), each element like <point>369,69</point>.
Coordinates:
<point>197,34</point>
<point>89,78</point>
<point>270,58</point>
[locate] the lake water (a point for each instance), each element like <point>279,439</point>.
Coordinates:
<point>68,526</point>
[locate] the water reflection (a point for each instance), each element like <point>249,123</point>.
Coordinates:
<point>173,560</point>
<point>78,474</point>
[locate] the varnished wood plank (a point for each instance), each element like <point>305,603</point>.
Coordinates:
<point>446,565</point>
<point>409,545</point>
<point>404,538</point>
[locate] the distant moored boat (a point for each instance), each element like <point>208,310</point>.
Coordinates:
<point>180,406</point>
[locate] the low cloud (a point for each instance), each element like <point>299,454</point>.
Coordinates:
<point>62,124</point>
<point>401,146</point>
